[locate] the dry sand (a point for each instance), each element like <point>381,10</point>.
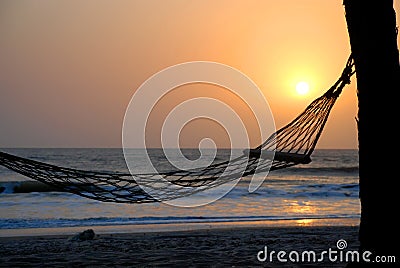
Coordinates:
<point>234,247</point>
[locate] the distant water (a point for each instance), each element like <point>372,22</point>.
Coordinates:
<point>327,188</point>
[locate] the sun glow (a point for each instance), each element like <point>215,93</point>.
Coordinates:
<point>302,88</point>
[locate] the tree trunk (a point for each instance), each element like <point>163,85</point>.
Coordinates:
<point>373,38</point>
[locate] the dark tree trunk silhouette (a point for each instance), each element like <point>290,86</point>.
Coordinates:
<point>373,38</point>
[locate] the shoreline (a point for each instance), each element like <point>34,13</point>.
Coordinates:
<point>177,227</point>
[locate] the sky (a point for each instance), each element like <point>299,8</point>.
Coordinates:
<point>68,69</point>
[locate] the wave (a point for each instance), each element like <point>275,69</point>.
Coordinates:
<point>17,187</point>
<point>25,187</point>
<point>308,190</point>
<point>322,170</point>
<point>104,221</point>
<point>270,189</point>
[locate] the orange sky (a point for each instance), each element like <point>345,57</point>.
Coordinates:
<point>68,69</point>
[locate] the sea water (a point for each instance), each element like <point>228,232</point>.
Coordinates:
<point>325,189</point>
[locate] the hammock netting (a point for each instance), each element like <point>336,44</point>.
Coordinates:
<point>291,145</point>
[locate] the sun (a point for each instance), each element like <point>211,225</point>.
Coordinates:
<point>302,88</point>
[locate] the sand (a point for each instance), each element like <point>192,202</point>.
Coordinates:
<point>224,247</point>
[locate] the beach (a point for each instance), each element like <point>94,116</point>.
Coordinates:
<point>303,208</point>
<point>214,247</point>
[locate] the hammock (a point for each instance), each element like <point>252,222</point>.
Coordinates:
<point>291,145</point>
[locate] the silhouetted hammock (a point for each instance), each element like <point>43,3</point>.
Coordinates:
<point>291,145</point>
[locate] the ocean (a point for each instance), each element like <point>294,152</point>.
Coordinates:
<point>325,190</point>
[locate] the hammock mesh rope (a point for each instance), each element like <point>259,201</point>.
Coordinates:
<point>291,145</point>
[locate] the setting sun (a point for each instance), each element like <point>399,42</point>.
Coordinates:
<point>302,88</point>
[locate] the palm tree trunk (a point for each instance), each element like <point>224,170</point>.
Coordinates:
<point>373,38</point>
